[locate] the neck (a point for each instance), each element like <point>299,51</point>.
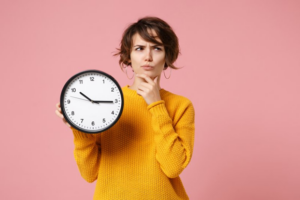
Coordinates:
<point>137,81</point>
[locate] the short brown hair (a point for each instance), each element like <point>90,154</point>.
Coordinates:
<point>163,31</point>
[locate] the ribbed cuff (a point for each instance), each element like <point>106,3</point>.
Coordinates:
<point>158,108</point>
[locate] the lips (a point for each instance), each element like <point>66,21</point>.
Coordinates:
<point>147,67</point>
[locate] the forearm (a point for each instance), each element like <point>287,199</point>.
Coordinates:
<point>174,145</point>
<point>172,153</point>
<point>87,155</point>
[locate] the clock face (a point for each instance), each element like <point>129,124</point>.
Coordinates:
<point>92,101</point>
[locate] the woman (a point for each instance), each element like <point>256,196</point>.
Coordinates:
<point>143,154</point>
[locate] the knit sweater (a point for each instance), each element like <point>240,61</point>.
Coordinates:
<point>143,154</point>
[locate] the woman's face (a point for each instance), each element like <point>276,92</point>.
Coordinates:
<point>146,53</point>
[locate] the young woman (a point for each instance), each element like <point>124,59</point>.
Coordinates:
<point>143,154</point>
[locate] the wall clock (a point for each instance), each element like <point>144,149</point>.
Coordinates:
<point>92,101</point>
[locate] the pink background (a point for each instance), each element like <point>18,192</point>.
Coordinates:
<point>241,71</point>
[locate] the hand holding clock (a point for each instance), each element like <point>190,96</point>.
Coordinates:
<point>60,115</point>
<point>148,89</point>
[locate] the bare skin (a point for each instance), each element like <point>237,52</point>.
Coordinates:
<point>147,81</point>
<point>60,115</point>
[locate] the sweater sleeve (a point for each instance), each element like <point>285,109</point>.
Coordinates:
<point>174,143</point>
<point>87,154</point>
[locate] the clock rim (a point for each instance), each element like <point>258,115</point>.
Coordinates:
<point>63,107</point>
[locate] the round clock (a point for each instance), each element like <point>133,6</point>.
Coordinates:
<point>92,101</point>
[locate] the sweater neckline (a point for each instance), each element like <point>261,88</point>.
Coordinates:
<point>133,93</point>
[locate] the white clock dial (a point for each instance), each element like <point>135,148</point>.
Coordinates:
<point>92,101</point>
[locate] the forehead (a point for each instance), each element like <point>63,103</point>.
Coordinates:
<point>137,39</point>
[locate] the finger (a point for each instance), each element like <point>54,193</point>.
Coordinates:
<point>59,114</point>
<point>146,78</point>
<point>140,92</point>
<point>66,122</point>
<point>58,106</point>
<point>143,88</point>
<point>147,85</point>
<point>58,109</point>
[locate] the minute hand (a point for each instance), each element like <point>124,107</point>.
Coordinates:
<point>103,101</point>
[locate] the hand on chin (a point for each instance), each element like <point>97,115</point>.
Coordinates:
<point>148,88</point>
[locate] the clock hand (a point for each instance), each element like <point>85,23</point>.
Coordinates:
<point>103,101</point>
<point>80,98</point>
<point>86,97</point>
<point>95,101</point>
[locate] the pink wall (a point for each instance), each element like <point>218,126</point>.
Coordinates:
<point>242,70</point>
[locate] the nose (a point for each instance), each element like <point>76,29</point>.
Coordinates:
<point>148,56</point>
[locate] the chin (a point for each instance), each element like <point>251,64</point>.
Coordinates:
<point>151,75</point>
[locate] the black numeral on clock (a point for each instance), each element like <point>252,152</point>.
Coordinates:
<point>103,120</point>
<point>92,78</point>
<point>116,100</point>
<point>81,120</point>
<point>73,89</point>
<point>93,123</point>
<point>72,113</point>
<point>68,101</point>
<point>112,112</point>
<point>112,89</point>
<point>80,81</point>
<point>103,81</point>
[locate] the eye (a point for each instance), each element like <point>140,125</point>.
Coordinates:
<point>158,48</point>
<point>138,48</point>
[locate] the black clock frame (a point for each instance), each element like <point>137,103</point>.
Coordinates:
<point>63,107</point>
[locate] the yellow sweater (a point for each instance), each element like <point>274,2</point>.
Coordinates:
<point>142,155</point>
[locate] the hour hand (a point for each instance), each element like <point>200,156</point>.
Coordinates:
<point>86,97</point>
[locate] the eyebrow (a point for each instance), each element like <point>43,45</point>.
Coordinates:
<point>138,45</point>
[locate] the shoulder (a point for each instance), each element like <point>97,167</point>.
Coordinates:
<point>180,108</point>
<point>174,98</point>
<point>176,101</point>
